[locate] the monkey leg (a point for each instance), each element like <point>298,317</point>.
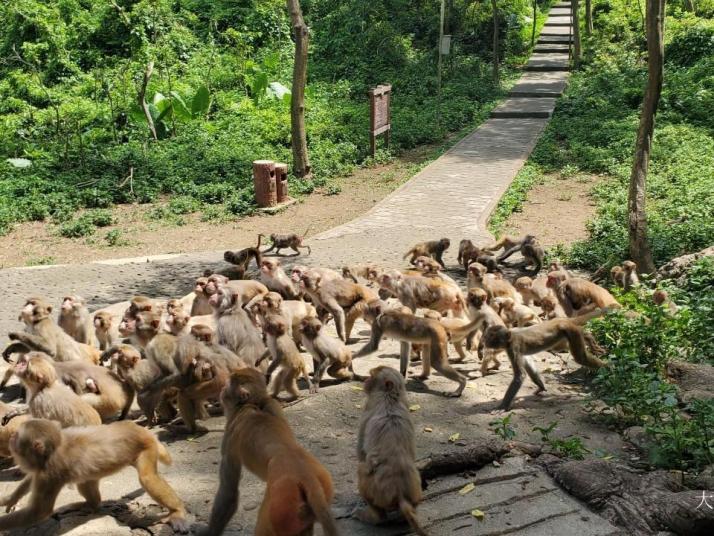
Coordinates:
<point>354,312</point>
<point>339,371</point>
<point>441,364</point>
<point>440,259</point>
<point>278,382</point>
<point>227,497</point>
<point>159,489</point>
<point>6,378</point>
<point>90,491</point>
<point>427,354</point>
<point>533,373</point>
<point>519,368</point>
<point>187,409</point>
<point>290,385</point>
<point>459,347</point>
<point>148,402</point>
<point>404,350</point>
<point>339,315</point>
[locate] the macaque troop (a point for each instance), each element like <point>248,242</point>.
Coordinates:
<point>250,342</point>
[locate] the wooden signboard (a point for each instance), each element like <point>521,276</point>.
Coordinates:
<point>380,115</point>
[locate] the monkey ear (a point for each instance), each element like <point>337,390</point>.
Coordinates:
<point>234,299</point>
<point>318,327</point>
<point>135,359</point>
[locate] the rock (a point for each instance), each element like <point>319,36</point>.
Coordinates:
<point>639,437</point>
<point>704,480</point>
<point>695,380</point>
<point>678,267</point>
<point>76,525</point>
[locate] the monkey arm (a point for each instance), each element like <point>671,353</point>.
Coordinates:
<point>503,256</point>
<point>227,497</point>
<point>11,500</point>
<point>271,368</point>
<point>16,347</point>
<point>33,341</point>
<point>373,344</point>
<point>15,412</point>
<point>42,503</point>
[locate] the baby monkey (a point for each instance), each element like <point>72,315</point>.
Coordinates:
<point>283,241</point>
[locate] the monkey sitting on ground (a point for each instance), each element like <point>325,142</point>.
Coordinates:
<point>298,488</point>
<point>551,308</point>
<point>617,274</point>
<point>52,458</point>
<point>521,343</point>
<point>242,258</point>
<point>432,248</point>
<point>630,278</point>
<point>407,328</point>
<point>292,241</point>
<point>74,319</point>
<point>387,475</point>
<point>328,354</point>
<point>661,297</point>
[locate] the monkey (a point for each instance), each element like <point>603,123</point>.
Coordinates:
<point>274,278</point>
<point>344,300</point>
<point>661,297</point>
<point>630,277</point>
<point>8,429</point>
<point>43,335</point>
<point>406,328</point>
<point>286,355</point>
<point>452,325</point>
<point>294,311</point>
<point>505,242</point>
<point>326,274</point>
<point>521,343</point>
<point>428,267</point>
<point>207,336</point>
<point>180,322</point>
<point>578,296</point>
<point>247,290</point>
<point>234,328</point>
<point>242,258</point>
<point>417,291</point>
<point>514,314</point>
<point>496,288</point>
<point>551,308</point>
<point>74,319</point>
<point>617,274</point>
<point>52,457</point>
<point>141,328</point>
<point>292,241</point>
<point>368,271</point>
<point>482,316</point>
<point>532,291</point>
<point>47,397</point>
<point>105,330</point>
<point>328,354</point>
<point>200,303</point>
<point>388,478</point>
<point>432,248</point>
<point>298,488</point>
<point>533,254</point>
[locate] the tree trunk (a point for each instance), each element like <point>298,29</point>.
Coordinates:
<point>639,246</point>
<point>142,101</point>
<point>577,45</point>
<point>496,53</point>
<point>301,160</point>
<point>588,17</point>
<point>535,20</point>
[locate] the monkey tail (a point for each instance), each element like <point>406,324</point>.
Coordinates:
<point>409,512</point>
<point>163,453</point>
<point>321,509</point>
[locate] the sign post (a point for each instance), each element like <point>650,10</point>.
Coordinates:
<point>380,115</point>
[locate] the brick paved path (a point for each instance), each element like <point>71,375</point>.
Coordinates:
<point>451,197</point>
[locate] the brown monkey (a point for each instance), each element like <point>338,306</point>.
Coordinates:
<point>298,488</point>
<point>344,300</point>
<point>630,277</point>
<point>247,290</point>
<point>43,335</point>
<point>505,242</point>
<point>661,297</point>
<point>551,308</point>
<point>286,355</point>
<point>242,258</point>
<point>327,274</point>
<point>531,251</point>
<point>292,241</point>
<point>407,328</point>
<point>105,330</point>
<point>8,429</point>
<point>482,316</point>
<point>234,328</point>
<point>74,319</point>
<point>515,314</point>
<point>369,271</point>
<point>617,274</point>
<point>452,326</point>
<point>207,336</point>
<point>274,277</point>
<point>200,302</point>
<point>388,478</point>
<point>416,291</point>
<point>52,458</point>
<point>521,343</point>
<point>432,248</point>
<point>532,291</point>
<point>180,322</point>
<point>328,354</point>
<point>578,296</point>
<point>496,288</point>
<point>47,397</point>
<point>468,253</point>
<point>294,311</point>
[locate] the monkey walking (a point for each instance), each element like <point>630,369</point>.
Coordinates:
<point>242,257</point>
<point>533,254</point>
<point>387,475</point>
<point>432,248</point>
<point>292,241</point>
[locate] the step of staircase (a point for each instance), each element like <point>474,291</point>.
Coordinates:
<point>523,108</point>
<point>556,48</point>
<point>553,61</point>
<point>554,40</point>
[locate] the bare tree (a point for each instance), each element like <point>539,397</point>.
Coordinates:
<point>301,160</point>
<point>640,250</point>
<point>577,45</point>
<point>496,53</point>
<point>142,100</point>
<point>588,17</point>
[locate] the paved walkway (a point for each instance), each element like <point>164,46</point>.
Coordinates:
<point>451,197</point>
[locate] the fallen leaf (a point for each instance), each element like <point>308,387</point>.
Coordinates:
<point>478,514</point>
<point>427,429</point>
<point>356,388</point>
<point>358,406</point>
<point>468,488</point>
<point>496,464</point>
<point>454,437</point>
<point>414,407</point>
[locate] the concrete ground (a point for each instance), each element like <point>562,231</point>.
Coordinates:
<point>452,197</point>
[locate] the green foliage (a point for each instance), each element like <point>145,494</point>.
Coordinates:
<point>691,41</point>
<point>86,224</point>
<point>115,238</point>
<point>517,193</point>
<point>569,447</point>
<point>502,427</point>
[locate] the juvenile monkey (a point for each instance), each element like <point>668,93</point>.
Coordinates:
<point>551,308</point>
<point>617,274</point>
<point>407,328</point>
<point>242,258</point>
<point>578,296</point>
<point>292,241</point>
<point>105,330</point>
<point>515,314</point>
<point>469,253</point>
<point>298,488</point>
<point>387,475</point>
<point>247,290</point>
<point>207,336</point>
<point>432,248</point>
<point>369,272</point>
<point>328,354</point>
<point>532,291</point>
<point>50,399</point>
<point>482,316</point>
<point>294,311</point>
<point>52,458</point>
<point>285,354</point>
<point>274,277</point>
<point>521,343</point>
<point>180,322</point>
<point>506,242</point>
<point>452,326</point>
<point>630,277</point>
<point>496,288</point>
<point>416,291</point>
<point>344,300</point>
<point>326,274</point>
<point>661,297</point>
<point>200,302</point>
<point>74,319</point>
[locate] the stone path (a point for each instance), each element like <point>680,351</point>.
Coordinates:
<point>451,197</point>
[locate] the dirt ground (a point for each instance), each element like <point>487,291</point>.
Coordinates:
<point>556,211</point>
<point>36,243</point>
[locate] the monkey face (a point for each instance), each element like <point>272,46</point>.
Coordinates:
<point>35,369</point>
<point>35,310</point>
<point>147,322</point>
<point>273,301</point>
<point>200,286</point>
<point>476,297</point>
<point>310,281</point>
<point>125,357</point>
<point>213,283</point>
<point>297,272</point>
<point>269,266</point>
<point>445,243</point>
<point>202,333</point>
<point>523,283</point>
<point>555,278</point>
<point>178,320</point>
<point>69,303</point>
<point>224,298</point>
<point>374,309</point>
